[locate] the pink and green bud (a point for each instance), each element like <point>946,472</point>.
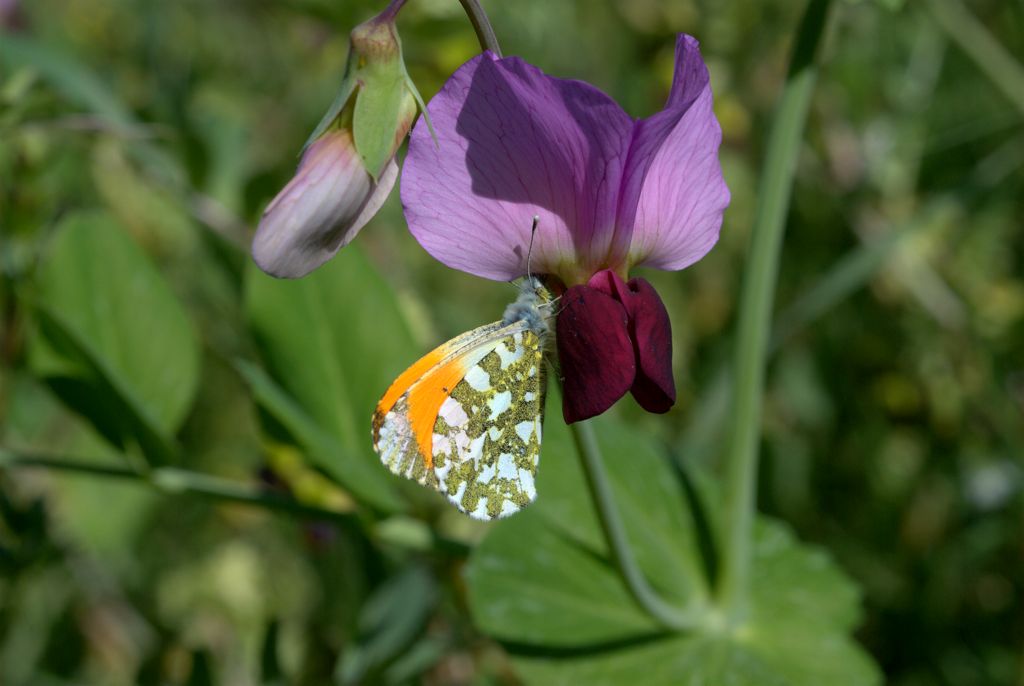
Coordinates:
<point>321,209</point>
<point>348,166</point>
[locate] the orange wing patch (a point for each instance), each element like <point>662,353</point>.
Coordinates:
<point>425,402</point>
<point>466,418</point>
<point>403,423</point>
<point>419,370</point>
<point>410,376</point>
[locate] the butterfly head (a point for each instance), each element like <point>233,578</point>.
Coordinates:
<point>533,303</point>
<point>532,306</point>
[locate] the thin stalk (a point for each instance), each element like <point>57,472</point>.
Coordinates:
<point>482,26</point>
<point>400,531</point>
<point>615,533</point>
<point>756,310</point>
<point>172,481</point>
<point>391,11</point>
<point>995,61</point>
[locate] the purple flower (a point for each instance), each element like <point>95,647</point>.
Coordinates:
<point>612,193</point>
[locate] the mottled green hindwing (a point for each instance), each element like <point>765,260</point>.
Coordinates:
<point>488,433</point>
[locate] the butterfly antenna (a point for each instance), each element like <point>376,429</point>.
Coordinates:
<point>529,250</point>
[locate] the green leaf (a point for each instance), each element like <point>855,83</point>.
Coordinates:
<point>542,582</point>
<point>357,475</point>
<point>531,584</point>
<point>113,339</point>
<point>674,661</point>
<point>102,518</point>
<point>389,622</point>
<point>67,74</point>
<point>543,578</point>
<point>334,341</point>
<point>796,636</point>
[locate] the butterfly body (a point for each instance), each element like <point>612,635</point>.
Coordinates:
<point>466,418</point>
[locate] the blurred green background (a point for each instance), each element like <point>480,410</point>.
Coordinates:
<point>187,491</point>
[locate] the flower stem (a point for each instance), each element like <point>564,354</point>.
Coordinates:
<point>482,26</point>
<point>615,533</point>
<point>391,11</point>
<point>756,309</point>
<point>171,480</point>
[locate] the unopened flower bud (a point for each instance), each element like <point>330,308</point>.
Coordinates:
<point>348,167</point>
<point>321,209</point>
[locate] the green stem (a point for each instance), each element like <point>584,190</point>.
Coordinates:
<point>756,310</point>
<point>615,533</point>
<point>400,531</point>
<point>482,26</point>
<point>171,480</point>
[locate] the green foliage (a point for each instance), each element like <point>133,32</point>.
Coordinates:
<point>553,551</point>
<point>79,85</point>
<point>112,337</point>
<point>139,143</point>
<point>543,582</point>
<point>103,521</point>
<point>306,332</point>
<point>391,621</point>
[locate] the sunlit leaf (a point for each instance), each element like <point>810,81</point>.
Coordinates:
<point>802,608</point>
<point>114,340</point>
<point>542,577</point>
<point>530,584</point>
<point>334,341</point>
<point>539,584</point>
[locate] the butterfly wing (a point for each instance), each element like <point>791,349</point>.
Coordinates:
<point>466,419</point>
<point>404,419</point>
<point>487,435</point>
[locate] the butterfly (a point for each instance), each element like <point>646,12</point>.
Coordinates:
<point>466,418</point>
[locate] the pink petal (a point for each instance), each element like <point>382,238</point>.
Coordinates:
<point>514,143</point>
<point>321,209</point>
<point>595,354</point>
<point>650,332</point>
<point>673,193</point>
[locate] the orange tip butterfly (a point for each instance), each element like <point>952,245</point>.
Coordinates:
<point>466,418</point>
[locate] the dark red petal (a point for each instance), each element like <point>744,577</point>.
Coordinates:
<point>595,352</point>
<point>651,334</point>
<point>649,327</point>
